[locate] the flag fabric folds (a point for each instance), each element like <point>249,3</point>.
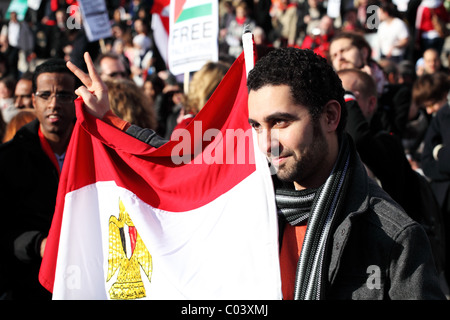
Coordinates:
<point>193,219</point>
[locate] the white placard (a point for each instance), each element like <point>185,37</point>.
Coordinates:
<point>194,28</point>
<point>95,19</point>
<point>34,4</point>
<point>334,8</point>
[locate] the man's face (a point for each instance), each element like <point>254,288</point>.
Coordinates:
<point>138,26</point>
<point>148,89</point>
<point>112,69</point>
<point>432,62</point>
<point>13,16</point>
<point>344,55</point>
<point>22,94</point>
<point>287,135</point>
<point>382,15</point>
<point>53,101</point>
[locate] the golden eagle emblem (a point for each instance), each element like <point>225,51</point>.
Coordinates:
<point>127,252</point>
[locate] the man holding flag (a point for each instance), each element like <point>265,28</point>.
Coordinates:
<point>194,218</point>
<point>342,237</point>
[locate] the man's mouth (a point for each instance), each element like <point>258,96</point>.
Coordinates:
<point>277,161</point>
<point>345,64</point>
<point>54,118</point>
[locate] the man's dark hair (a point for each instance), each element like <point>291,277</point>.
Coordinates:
<point>389,8</point>
<point>9,82</point>
<point>27,75</point>
<point>430,88</point>
<point>53,66</point>
<point>110,55</point>
<point>311,79</point>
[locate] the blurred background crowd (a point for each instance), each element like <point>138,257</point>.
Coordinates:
<point>49,33</point>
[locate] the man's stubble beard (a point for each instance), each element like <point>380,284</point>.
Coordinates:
<point>309,161</point>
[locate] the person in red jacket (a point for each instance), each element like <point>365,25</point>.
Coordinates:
<point>320,38</point>
<point>430,25</point>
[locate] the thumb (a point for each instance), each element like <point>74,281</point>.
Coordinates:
<point>94,106</point>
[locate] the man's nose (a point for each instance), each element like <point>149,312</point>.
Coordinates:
<point>53,101</point>
<point>269,141</point>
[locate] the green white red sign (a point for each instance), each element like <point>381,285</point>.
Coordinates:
<point>193,34</point>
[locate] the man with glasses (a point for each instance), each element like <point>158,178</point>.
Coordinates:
<point>30,165</point>
<point>110,66</point>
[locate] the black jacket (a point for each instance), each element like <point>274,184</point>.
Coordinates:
<point>438,171</point>
<point>28,189</point>
<point>383,154</point>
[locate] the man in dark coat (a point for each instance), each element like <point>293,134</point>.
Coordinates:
<point>29,170</point>
<point>384,156</point>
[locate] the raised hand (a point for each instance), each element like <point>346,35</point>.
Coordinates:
<point>94,92</point>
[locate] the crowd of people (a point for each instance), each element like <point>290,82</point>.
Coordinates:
<point>392,63</point>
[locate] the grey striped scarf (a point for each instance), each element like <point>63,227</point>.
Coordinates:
<point>320,206</point>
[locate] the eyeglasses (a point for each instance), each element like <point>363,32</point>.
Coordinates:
<point>117,74</point>
<point>64,97</point>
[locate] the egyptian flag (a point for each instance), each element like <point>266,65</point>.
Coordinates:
<point>193,219</point>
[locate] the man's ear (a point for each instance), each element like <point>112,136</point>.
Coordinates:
<point>372,104</point>
<point>33,100</point>
<point>332,115</point>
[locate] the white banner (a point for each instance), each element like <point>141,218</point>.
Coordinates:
<point>95,19</point>
<point>194,28</point>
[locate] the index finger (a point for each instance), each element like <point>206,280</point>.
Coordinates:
<point>91,68</point>
<point>84,78</point>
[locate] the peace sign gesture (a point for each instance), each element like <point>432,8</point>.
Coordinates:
<point>94,92</point>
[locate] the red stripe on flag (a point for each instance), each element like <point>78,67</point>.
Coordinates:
<point>159,5</point>
<point>141,165</point>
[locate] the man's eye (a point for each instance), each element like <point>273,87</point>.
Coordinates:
<point>280,123</point>
<point>45,95</point>
<point>256,126</point>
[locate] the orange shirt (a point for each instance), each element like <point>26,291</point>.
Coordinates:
<point>291,248</point>
<point>115,121</point>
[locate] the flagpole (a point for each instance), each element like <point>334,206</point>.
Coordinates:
<point>248,45</point>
